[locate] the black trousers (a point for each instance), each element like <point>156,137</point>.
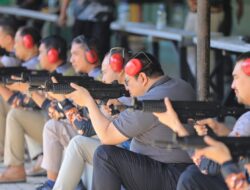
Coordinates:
<point>98,30</point>
<point>115,167</point>
<point>193,179</point>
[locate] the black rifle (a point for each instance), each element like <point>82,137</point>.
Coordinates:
<point>97,89</point>
<point>33,77</point>
<point>7,72</point>
<point>189,109</point>
<point>48,83</point>
<point>238,146</point>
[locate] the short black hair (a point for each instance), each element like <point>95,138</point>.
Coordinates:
<point>243,57</point>
<point>150,64</point>
<point>31,31</point>
<point>85,42</point>
<point>57,42</point>
<point>8,26</point>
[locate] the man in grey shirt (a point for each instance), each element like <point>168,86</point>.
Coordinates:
<point>145,166</point>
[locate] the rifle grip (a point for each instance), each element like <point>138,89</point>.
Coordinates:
<point>210,132</point>
<point>114,111</point>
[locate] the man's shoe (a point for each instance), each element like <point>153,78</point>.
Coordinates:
<point>13,175</point>
<point>44,186</point>
<point>80,186</point>
<point>36,170</point>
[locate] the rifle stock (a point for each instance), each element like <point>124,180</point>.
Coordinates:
<point>33,77</point>
<point>7,72</point>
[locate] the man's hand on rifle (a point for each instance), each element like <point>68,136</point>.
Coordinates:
<point>18,86</point>
<point>218,128</point>
<point>215,151</point>
<point>171,120</point>
<point>58,97</point>
<point>80,96</point>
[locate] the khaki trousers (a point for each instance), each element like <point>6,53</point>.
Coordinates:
<point>56,137</point>
<point>18,124</point>
<point>4,108</point>
<point>79,152</point>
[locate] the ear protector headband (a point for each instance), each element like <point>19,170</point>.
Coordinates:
<point>116,59</point>
<point>28,41</point>
<point>245,65</point>
<point>135,65</point>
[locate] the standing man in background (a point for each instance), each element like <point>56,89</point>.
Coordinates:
<point>92,19</point>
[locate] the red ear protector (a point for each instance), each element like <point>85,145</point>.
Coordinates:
<point>116,59</point>
<point>91,56</point>
<point>245,65</point>
<point>135,65</point>
<point>53,55</point>
<point>28,41</point>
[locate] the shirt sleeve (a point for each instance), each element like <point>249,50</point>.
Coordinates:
<point>134,123</point>
<point>242,126</point>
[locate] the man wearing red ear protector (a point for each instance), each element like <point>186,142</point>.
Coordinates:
<point>114,166</point>
<point>58,133</point>
<point>216,158</point>
<point>80,150</point>
<point>17,118</point>
<point>84,56</point>
<point>30,61</point>
<point>113,67</point>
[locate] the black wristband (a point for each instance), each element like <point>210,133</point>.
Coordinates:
<point>12,97</point>
<point>46,104</point>
<point>229,167</point>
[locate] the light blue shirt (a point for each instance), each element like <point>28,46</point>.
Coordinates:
<point>32,63</point>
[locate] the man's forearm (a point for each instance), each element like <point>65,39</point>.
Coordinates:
<point>5,93</point>
<point>99,121</point>
<point>64,6</point>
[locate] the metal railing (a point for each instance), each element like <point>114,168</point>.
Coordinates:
<point>28,13</point>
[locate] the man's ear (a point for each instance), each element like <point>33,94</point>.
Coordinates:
<point>143,78</point>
